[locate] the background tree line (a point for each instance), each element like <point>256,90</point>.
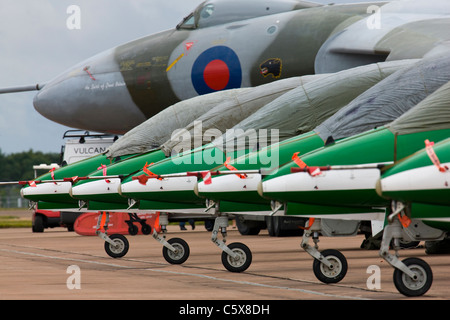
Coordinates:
<point>19,166</point>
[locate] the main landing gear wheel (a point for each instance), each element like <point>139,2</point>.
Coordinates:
<point>414,287</point>
<point>241,262</point>
<point>332,274</point>
<point>181,253</point>
<point>120,247</point>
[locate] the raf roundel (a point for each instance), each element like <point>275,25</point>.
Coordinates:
<point>217,68</point>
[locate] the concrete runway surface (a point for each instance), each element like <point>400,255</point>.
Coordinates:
<point>37,266</point>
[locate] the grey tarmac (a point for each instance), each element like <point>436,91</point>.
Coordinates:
<point>36,266</point>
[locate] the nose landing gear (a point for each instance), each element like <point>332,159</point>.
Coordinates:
<point>412,276</point>
<point>329,266</point>
<point>236,257</point>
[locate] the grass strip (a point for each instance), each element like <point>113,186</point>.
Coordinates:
<point>14,222</point>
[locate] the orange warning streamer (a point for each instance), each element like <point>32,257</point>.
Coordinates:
<point>104,168</point>
<point>231,168</point>
<point>298,161</point>
<point>206,176</point>
<point>102,222</point>
<point>52,171</point>
<point>310,223</point>
<point>404,220</point>
<point>144,178</point>
<point>313,171</point>
<point>145,169</point>
<point>156,225</point>
<point>433,157</point>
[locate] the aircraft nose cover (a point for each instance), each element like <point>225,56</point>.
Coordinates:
<point>218,68</point>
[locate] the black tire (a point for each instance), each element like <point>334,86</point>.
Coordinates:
<point>244,258</point>
<point>414,288</point>
<point>209,225</point>
<point>278,227</point>
<point>409,244</point>
<point>146,229</point>
<point>437,247</point>
<point>133,230</point>
<point>270,227</point>
<point>248,228</point>
<point>182,253</point>
<point>334,275</point>
<point>406,244</point>
<point>121,247</point>
<point>38,224</point>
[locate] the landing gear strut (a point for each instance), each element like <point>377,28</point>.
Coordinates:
<point>236,257</point>
<point>329,266</point>
<point>116,245</point>
<point>413,276</point>
<point>176,250</point>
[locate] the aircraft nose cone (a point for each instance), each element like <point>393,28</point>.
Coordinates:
<point>103,190</point>
<point>91,96</point>
<point>50,192</point>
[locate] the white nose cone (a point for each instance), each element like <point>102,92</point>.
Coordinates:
<point>230,183</point>
<point>326,181</point>
<point>155,185</point>
<point>46,189</point>
<point>424,178</point>
<point>103,186</point>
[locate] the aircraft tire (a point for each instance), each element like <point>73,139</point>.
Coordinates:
<point>121,247</point>
<point>243,260</point>
<point>38,224</point>
<point>182,253</point>
<point>414,288</point>
<point>133,230</point>
<point>146,229</point>
<point>270,227</point>
<point>247,228</point>
<point>328,275</point>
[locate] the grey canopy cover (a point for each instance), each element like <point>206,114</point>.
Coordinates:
<point>215,110</point>
<point>389,99</point>
<point>433,113</point>
<point>302,109</point>
<point>153,132</point>
<point>232,111</point>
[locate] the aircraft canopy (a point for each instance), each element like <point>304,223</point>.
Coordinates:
<point>216,12</point>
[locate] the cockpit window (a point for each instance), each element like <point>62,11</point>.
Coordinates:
<point>207,11</point>
<point>187,23</point>
<point>215,12</point>
<point>198,18</point>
